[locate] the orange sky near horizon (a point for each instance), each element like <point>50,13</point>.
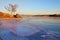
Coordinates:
<point>36,12</point>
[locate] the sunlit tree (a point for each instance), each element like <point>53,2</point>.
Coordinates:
<point>11,8</point>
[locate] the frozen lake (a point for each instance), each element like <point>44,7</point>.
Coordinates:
<point>36,28</point>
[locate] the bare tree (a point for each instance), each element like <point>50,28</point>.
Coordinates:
<point>11,8</point>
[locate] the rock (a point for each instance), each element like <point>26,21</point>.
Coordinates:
<point>18,16</point>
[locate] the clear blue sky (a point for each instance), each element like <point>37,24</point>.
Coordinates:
<point>25,5</point>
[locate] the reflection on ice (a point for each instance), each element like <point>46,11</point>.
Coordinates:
<point>21,29</point>
<point>27,29</point>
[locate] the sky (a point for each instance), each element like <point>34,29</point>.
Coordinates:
<point>33,6</point>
